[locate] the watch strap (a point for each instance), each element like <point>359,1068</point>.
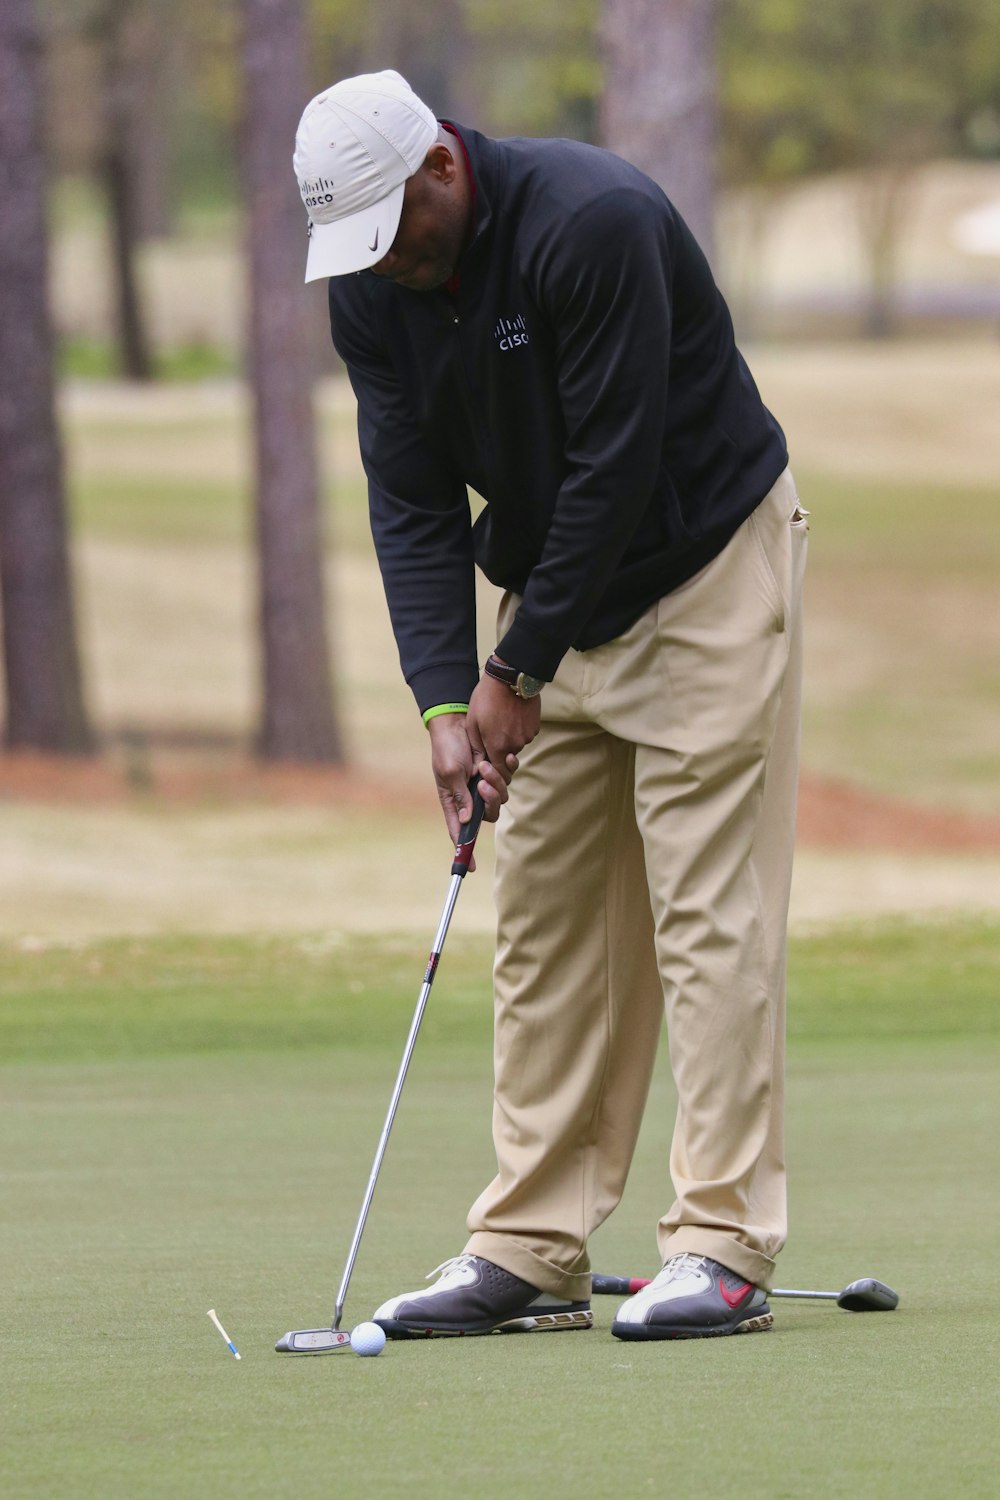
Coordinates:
<point>501,672</point>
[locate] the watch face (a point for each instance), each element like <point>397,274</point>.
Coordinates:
<point>529,687</point>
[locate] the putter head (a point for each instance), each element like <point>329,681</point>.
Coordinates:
<point>313,1341</point>
<point>868,1295</point>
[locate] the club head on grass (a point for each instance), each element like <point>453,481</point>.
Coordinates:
<point>868,1295</point>
<point>314,1341</point>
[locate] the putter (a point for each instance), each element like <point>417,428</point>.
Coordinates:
<point>865,1295</point>
<point>334,1339</point>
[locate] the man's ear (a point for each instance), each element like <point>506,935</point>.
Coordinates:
<point>440,162</point>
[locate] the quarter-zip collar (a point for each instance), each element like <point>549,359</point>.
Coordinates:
<point>481,166</point>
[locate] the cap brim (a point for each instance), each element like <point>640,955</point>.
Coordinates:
<point>356,242</point>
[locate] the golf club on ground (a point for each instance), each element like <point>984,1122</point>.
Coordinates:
<point>333,1339</point>
<point>865,1295</point>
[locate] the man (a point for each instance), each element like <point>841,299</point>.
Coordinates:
<point>533,319</point>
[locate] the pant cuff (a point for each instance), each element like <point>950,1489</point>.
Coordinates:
<point>502,1250</point>
<point>727,1251</point>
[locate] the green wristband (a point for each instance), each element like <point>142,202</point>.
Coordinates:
<point>443,708</point>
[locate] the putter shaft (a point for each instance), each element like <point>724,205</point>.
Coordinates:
<point>864,1295</point>
<point>411,1040</point>
<point>777,1291</point>
<point>325,1341</point>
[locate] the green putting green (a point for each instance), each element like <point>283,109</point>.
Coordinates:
<point>189,1123</point>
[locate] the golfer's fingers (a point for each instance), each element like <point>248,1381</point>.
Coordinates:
<point>492,789</point>
<point>502,758</point>
<point>456,804</point>
<point>503,762</point>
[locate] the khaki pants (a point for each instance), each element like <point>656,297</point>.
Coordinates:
<point>644,863</point>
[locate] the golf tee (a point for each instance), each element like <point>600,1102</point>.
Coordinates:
<point>229,1343</point>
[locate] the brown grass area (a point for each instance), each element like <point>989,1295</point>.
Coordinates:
<point>214,774</point>
<point>836,815</point>
<point>189,772</point>
<point>924,412</point>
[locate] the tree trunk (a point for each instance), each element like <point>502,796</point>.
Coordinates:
<point>161,85</point>
<point>748,228</point>
<point>123,121</point>
<point>298,719</point>
<point>883,197</point>
<point>45,708</point>
<point>659,103</point>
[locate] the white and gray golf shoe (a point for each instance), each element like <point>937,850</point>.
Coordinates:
<point>474,1296</point>
<point>693,1297</point>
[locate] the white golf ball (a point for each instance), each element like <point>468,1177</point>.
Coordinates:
<point>367,1338</point>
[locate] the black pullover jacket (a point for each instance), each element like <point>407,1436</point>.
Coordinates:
<point>584,380</point>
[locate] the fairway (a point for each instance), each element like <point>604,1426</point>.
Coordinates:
<point>190,1123</point>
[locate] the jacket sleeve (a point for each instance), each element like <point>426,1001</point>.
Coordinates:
<point>604,285</point>
<point>420,521</point>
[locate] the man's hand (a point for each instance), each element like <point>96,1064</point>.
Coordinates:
<point>454,763</point>
<point>499,724</point>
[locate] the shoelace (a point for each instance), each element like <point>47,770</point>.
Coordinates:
<point>456,1263</point>
<point>679,1265</point>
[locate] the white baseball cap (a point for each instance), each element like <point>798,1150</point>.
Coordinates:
<point>356,145</point>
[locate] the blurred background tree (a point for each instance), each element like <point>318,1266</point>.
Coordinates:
<point>879,90</point>
<point>297,715</point>
<point>110,110</point>
<point>751,97</point>
<point>44,692</point>
<point>126,35</point>
<point>660,99</point>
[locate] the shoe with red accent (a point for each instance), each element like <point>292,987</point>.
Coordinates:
<point>693,1298</point>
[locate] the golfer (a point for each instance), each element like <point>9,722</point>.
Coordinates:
<point>533,319</point>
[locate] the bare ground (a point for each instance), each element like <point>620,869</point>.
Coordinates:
<point>181,771</point>
<point>185,837</point>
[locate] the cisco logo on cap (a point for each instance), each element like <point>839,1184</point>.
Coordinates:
<point>316,190</point>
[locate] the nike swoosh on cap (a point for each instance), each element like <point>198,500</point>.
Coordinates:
<point>374,243</point>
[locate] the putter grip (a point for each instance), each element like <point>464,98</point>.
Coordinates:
<point>469,832</point>
<point>616,1286</point>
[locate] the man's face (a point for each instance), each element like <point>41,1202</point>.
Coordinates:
<point>432,227</point>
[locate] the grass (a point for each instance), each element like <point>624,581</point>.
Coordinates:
<point>188,1121</point>
<point>901,632</point>
<point>188,1124</point>
<point>158,473</point>
<point>920,530</point>
<point>202,512</point>
<point>133,998</point>
<point>84,358</point>
<point>199,512</point>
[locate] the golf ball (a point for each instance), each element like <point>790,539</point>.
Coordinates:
<point>367,1338</point>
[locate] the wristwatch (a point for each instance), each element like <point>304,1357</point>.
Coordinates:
<point>520,683</point>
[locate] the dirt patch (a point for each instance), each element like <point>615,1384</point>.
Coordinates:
<point>212,774</point>
<point>838,815</point>
<point>200,770</point>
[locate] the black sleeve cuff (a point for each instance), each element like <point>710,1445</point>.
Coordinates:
<point>448,682</point>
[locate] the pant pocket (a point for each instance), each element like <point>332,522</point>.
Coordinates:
<point>766,573</point>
